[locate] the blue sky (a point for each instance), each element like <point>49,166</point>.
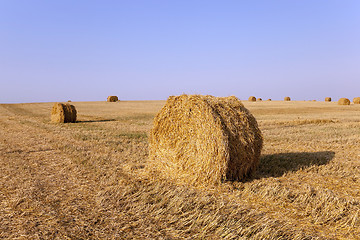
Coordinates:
<point>150,49</point>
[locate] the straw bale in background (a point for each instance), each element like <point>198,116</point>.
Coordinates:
<point>63,113</point>
<point>344,101</point>
<point>287,99</point>
<point>112,99</point>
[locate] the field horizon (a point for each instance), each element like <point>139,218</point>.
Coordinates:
<point>164,100</point>
<point>88,180</point>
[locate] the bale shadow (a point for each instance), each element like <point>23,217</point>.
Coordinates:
<point>92,121</point>
<point>275,165</point>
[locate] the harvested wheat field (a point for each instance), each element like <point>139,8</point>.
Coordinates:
<point>89,180</point>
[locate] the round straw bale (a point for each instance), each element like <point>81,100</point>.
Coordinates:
<point>112,99</point>
<point>204,140</point>
<point>269,99</point>
<point>63,113</point>
<point>287,99</point>
<point>252,99</point>
<point>356,100</point>
<point>344,101</point>
<point>259,99</point>
<point>328,99</point>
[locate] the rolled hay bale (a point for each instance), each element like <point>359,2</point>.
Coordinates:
<point>269,99</point>
<point>356,100</point>
<point>63,113</point>
<point>69,100</point>
<point>204,140</point>
<point>259,99</point>
<point>287,99</point>
<point>328,99</point>
<point>252,99</point>
<point>344,101</point>
<point>112,99</point>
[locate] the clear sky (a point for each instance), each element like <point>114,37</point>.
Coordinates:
<point>85,50</point>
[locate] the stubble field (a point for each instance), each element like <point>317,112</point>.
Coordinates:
<point>88,180</point>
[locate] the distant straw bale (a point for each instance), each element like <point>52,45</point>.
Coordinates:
<point>356,100</point>
<point>112,99</point>
<point>287,99</point>
<point>328,99</point>
<point>252,99</point>
<point>269,99</point>
<point>63,113</point>
<point>69,100</point>
<point>344,101</point>
<point>204,140</point>
<point>259,99</point>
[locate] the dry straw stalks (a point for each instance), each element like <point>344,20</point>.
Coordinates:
<point>112,99</point>
<point>204,140</point>
<point>63,113</point>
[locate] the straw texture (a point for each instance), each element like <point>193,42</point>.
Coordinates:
<point>356,100</point>
<point>112,99</point>
<point>63,113</point>
<point>204,140</point>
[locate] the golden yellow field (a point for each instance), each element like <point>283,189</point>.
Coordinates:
<point>87,180</point>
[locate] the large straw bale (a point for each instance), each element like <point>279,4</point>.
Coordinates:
<point>63,113</point>
<point>344,101</point>
<point>356,100</point>
<point>204,140</point>
<point>252,99</point>
<point>112,99</point>
<point>328,99</point>
<point>287,99</point>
